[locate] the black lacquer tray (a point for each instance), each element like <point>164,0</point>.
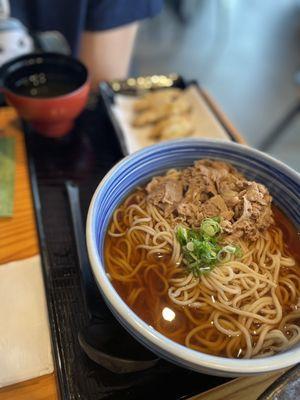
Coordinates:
<point>84,157</point>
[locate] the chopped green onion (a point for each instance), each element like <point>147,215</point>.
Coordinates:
<point>190,246</point>
<point>238,252</point>
<point>201,248</point>
<point>182,234</point>
<point>225,252</point>
<point>229,249</point>
<point>210,227</point>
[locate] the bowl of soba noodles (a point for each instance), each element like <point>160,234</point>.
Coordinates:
<point>194,245</point>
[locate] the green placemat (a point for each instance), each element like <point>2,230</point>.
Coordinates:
<point>7,175</point>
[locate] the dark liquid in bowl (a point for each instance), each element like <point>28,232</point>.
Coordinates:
<point>44,85</point>
<point>155,307</point>
<point>44,76</point>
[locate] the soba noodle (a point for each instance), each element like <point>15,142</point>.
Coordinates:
<point>245,307</point>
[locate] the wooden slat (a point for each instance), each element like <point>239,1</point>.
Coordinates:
<point>18,237</point>
<point>42,388</point>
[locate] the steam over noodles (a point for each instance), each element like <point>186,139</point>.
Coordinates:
<point>201,255</point>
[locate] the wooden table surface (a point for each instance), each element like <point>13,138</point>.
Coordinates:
<point>18,240</point>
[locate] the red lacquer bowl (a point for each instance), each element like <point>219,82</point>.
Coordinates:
<point>53,114</point>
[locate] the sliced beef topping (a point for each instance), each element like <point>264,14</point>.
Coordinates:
<point>213,188</point>
<point>165,193</point>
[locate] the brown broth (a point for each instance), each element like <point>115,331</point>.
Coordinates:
<point>172,320</point>
<point>290,234</point>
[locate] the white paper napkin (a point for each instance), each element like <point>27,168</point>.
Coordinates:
<point>25,347</point>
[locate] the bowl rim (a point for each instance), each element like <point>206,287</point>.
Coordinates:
<point>46,55</point>
<point>137,326</point>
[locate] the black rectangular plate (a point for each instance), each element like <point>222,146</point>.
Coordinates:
<point>84,157</point>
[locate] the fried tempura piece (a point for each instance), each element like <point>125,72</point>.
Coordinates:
<point>152,115</point>
<point>148,117</point>
<point>179,106</point>
<point>156,99</point>
<point>175,126</point>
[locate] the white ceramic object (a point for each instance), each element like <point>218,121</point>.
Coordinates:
<point>283,183</point>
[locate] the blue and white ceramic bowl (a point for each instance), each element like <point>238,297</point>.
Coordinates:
<point>284,185</point>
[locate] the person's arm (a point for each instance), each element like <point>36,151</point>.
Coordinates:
<point>107,53</point>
